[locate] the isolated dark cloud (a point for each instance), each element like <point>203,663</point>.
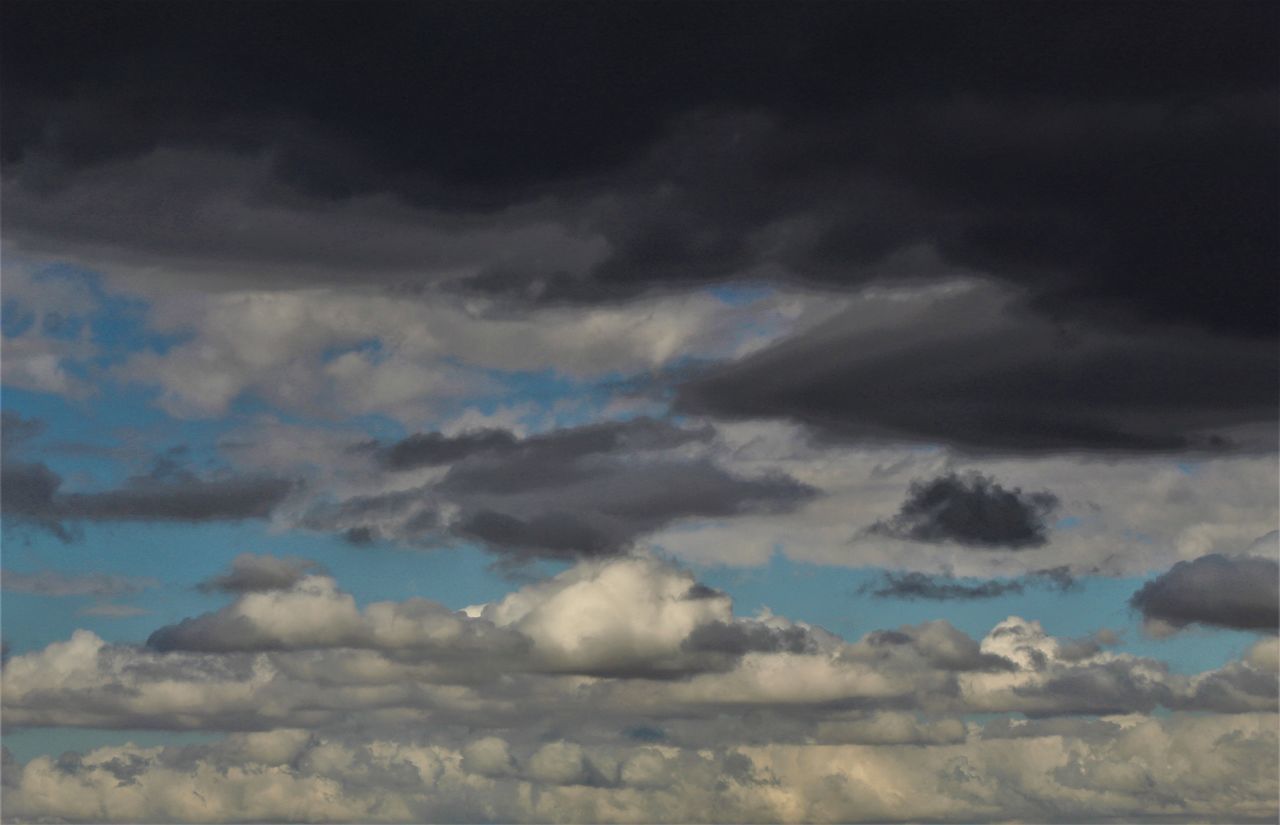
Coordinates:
<point>916,585</point>
<point>168,492</point>
<point>589,490</point>
<point>1241,592</point>
<point>973,369</point>
<point>663,145</point>
<point>252,573</point>
<point>973,510</point>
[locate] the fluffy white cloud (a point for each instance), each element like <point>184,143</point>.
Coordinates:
<point>624,690</point>
<point>603,646</point>
<point>615,614</point>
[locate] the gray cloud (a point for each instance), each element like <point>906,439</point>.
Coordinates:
<point>53,583</point>
<point>974,370</point>
<point>430,449</point>
<point>1241,592</point>
<point>973,510</point>
<point>738,638</point>
<point>709,166</point>
<point>169,493</point>
<point>32,495</point>
<point>27,495</point>
<point>917,585</point>
<point>254,573</point>
<point>1100,688</point>
<point>578,491</point>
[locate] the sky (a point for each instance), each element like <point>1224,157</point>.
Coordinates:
<point>639,412</point>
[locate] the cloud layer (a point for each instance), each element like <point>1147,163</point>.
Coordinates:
<point>624,689</point>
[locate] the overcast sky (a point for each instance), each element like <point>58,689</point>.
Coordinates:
<point>640,412</point>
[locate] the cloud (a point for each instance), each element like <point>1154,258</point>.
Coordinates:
<point>972,510</point>
<point>971,368</point>
<point>168,492</point>
<point>640,618</point>
<point>29,491</point>
<point>313,614</point>
<point>1115,518</point>
<point>430,449</point>
<point>590,490</point>
<point>251,573</point>
<point>1241,592</point>
<point>916,585</point>
<point>53,583</point>
<point>327,186</point>
<point>1225,770</point>
<point>605,647</point>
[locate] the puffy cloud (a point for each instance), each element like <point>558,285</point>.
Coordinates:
<point>1238,592</point>
<point>313,613</point>
<point>605,647</point>
<point>638,617</point>
<point>632,617</point>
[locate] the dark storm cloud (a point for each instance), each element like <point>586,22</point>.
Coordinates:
<point>251,573</point>
<point>30,493</point>
<point>916,585</point>
<point>973,510</point>
<point>974,370</point>
<point>1130,178</point>
<point>1241,592</point>
<point>577,491</point>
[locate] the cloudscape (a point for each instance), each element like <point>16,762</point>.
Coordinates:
<point>640,412</point>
